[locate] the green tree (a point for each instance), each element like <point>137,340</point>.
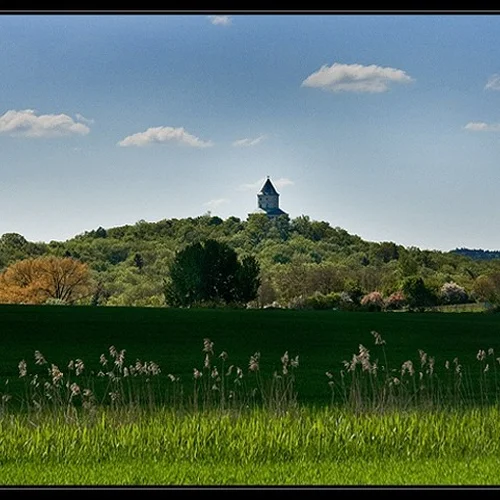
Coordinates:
<point>417,294</point>
<point>353,289</point>
<point>407,264</point>
<point>14,246</point>
<point>232,225</point>
<point>386,251</point>
<point>247,280</point>
<point>101,232</point>
<point>302,225</point>
<point>282,224</point>
<point>13,240</point>
<point>138,261</point>
<point>257,228</point>
<point>487,288</point>
<point>210,271</point>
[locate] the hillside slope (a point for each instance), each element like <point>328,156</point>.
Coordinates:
<point>298,258</point>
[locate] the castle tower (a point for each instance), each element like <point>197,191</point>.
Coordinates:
<point>268,200</point>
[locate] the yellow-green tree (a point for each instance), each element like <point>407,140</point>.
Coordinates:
<point>487,287</point>
<point>34,281</point>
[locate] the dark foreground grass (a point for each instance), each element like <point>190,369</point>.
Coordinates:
<point>306,447</point>
<point>172,338</point>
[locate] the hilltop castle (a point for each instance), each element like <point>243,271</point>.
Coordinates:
<point>268,200</point>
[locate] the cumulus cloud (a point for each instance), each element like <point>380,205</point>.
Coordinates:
<point>482,127</point>
<point>248,142</point>
<point>26,123</point>
<point>355,78</point>
<point>255,186</point>
<point>220,20</point>
<point>213,204</point>
<point>493,82</point>
<point>164,134</point>
<point>82,119</point>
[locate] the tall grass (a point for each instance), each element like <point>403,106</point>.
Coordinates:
<point>252,437</point>
<point>118,384</point>
<point>366,382</point>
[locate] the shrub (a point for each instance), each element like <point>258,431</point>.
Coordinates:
<point>321,301</point>
<point>299,302</point>
<point>452,293</point>
<point>316,301</point>
<point>396,300</point>
<point>372,301</point>
<point>353,289</point>
<point>346,303</point>
<point>55,302</point>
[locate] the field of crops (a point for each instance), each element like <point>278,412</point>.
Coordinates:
<point>166,396</point>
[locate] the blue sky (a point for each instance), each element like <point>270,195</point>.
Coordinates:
<point>385,125</point>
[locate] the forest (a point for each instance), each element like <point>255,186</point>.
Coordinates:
<point>303,263</point>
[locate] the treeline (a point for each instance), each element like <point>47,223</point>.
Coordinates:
<point>302,262</point>
<point>478,254</point>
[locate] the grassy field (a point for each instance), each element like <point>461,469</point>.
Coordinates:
<point>407,440</point>
<point>451,471</point>
<point>174,339</point>
<point>307,447</point>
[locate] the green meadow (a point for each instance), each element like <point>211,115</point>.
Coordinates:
<point>305,447</point>
<point>349,410</point>
<point>173,338</point>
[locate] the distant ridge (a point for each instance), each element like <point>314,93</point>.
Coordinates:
<point>478,254</point>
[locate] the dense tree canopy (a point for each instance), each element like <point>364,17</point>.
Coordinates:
<point>210,272</point>
<point>297,259</point>
<point>418,295</point>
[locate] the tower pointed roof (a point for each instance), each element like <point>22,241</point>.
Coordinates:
<point>268,188</point>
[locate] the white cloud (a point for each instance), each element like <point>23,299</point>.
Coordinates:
<point>282,182</point>
<point>252,186</point>
<point>255,186</point>
<point>355,78</point>
<point>213,204</point>
<point>248,142</point>
<point>482,127</point>
<point>493,82</point>
<point>164,134</point>
<point>220,20</point>
<point>82,119</point>
<point>26,123</point>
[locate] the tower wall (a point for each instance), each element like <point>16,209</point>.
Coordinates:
<point>268,201</point>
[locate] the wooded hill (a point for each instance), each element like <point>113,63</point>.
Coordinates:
<point>301,261</point>
<point>478,253</point>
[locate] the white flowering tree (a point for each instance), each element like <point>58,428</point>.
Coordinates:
<point>452,293</point>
